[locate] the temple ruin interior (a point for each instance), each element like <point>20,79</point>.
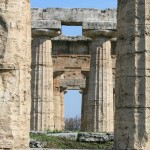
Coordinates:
<point>109,64</point>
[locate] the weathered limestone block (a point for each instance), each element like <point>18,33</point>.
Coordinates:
<point>100,93</point>
<point>15,49</point>
<point>74,16</point>
<point>99,25</point>
<point>42,110</point>
<point>71,45</point>
<point>46,24</point>
<point>132,115</point>
<point>75,62</point>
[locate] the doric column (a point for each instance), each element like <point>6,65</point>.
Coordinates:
<point>42,108</point>
<point>62,113</point>
<point>100,93</point>
<point>15,49</point>
<point>132,114</point>
<point>84,109</point>
<point>57,101</point>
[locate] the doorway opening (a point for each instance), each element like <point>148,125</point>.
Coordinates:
<point>73,100</point>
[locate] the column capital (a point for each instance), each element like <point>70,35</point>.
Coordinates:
<point>100,33</point>
<point>50,28</point>
<point>45,32</point>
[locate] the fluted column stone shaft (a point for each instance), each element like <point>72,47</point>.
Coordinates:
<point>42,111</point>
<point>84,109</point>
<point>62,113</point>
<point>100,93</point>
<point>132,114</point>
<point>57,104</point>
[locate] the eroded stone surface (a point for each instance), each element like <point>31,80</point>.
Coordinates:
<point>15,60</point>
<point>100,92</point>
<point>42,110</point>
<point>74,16</point>
<point>132,76</point>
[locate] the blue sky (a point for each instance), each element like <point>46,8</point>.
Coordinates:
<point>101,4</point>
<point>73,98</point>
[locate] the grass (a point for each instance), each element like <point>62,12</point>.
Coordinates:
<point>63,143</point>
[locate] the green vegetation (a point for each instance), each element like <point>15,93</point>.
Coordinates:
<point>63,143</point>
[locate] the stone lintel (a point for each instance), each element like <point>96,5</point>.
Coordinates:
<point>45,32</point>
<point>73,83</point>
<point>74,16</point>
<point>46,24</point>
<point>101,25</point>
<point>72,38</point>
<point>56,70</point>
<point>95,33</point>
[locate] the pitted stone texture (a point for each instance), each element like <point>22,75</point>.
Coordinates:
<point>42,110</point>
<point>78,62</point>
<point>67,45</point>
<point>100,93</point>
<point>101,25</point>
<point>73,79</point>
<point>45,32</point>
<point>62,111</point>
<point>71,38</point>
<point>15,60</point>
<point>74,16</point>
<point>57,104</point>
<point>84,106</point>
<point>46,24</point>
<point>132,113</point>
<point>95,137</point>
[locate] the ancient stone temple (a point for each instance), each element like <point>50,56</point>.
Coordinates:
<point>109,64</point>
<point>60,63</point>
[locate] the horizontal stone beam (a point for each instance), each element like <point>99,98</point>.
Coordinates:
<point>45,32</point>
<point>94,33</point>
<point>46,24</point>
<point>72,38</point>
<point>99,25</point>
<point>74,16</point>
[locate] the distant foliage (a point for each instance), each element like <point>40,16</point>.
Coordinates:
<point>73,124</point>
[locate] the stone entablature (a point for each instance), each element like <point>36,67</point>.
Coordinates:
<point>76,16</point>
<point>62,62</point>
<point>68,45</point>
<point>89,19</point>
